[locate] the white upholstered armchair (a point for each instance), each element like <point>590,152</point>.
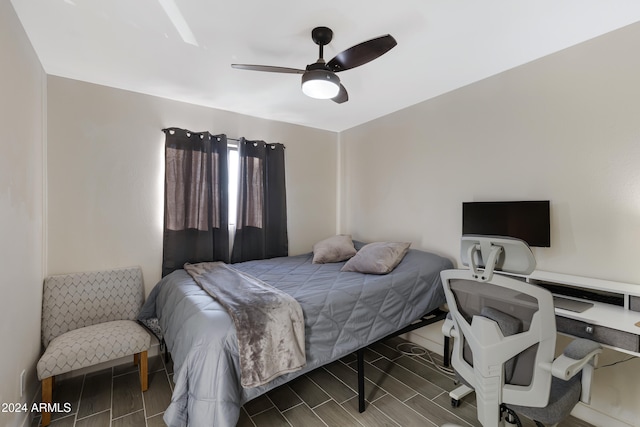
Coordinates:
<point>89,318</point>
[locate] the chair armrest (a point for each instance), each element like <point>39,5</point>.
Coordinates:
<point>575,356</point>
<point>581,348</point>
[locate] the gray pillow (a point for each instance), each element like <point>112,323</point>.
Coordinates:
<point>334,249</point>
<point>377,258</point>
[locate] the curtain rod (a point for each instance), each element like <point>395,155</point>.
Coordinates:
<point>228,138</point>
<point>190,131</point>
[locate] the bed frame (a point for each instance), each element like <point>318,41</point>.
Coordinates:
<point>428,319</point>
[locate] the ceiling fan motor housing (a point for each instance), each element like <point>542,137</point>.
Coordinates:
<point>321,35</point>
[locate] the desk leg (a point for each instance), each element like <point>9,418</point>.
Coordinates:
<point>360,354</point>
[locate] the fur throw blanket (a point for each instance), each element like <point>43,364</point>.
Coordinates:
<point>269,323</point>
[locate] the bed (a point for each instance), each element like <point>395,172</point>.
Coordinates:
<point>343,313</point>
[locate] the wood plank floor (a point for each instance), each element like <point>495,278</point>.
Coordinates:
<point>401,390</point>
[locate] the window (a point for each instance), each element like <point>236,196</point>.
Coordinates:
<point>254,173</point>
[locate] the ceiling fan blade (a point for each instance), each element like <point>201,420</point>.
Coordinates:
<point>342,96</point>
<point>267,68</point>
<point>362,53</point>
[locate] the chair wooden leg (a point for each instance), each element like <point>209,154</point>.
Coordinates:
<point>144,375</point>
<point>47,397</point>
<point>136,359</point>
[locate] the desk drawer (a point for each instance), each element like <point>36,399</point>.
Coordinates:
<point>599,334</point>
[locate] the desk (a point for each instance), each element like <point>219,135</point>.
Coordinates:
<point>611,325</point>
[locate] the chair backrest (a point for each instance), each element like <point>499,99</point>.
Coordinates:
<point>72,301</point>
<point>505,330</point>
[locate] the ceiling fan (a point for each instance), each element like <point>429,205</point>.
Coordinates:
<point>319,80</point>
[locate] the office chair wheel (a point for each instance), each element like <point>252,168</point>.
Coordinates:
<point>455,403</point>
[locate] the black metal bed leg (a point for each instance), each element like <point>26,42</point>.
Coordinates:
<point>446,360</point>
<point>427,319</point>
<point>360,354</point>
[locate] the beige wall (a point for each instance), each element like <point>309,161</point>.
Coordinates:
<point>105,172</point>
<point>564,128</point>
<point>21,210</point>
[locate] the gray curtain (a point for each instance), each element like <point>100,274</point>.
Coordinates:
<point>261,225</point>
<point>196,223</point>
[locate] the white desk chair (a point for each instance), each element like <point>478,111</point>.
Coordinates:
<point>504,334</point>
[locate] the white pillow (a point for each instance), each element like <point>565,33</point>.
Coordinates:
<point>334,249</point>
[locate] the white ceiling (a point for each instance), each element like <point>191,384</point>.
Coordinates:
<point>442,45</point>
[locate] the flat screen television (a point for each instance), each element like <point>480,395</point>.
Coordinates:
<point>526,220</point>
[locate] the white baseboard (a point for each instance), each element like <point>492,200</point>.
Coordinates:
<point>429,337</point>
<point>598,419</point>
<point>30,416</point>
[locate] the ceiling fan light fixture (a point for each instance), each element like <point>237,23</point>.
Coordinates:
<point>320,84</point>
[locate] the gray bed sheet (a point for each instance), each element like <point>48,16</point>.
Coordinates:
<point>343,311</point>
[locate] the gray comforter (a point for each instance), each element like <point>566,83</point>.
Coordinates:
<point>343,311</point>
